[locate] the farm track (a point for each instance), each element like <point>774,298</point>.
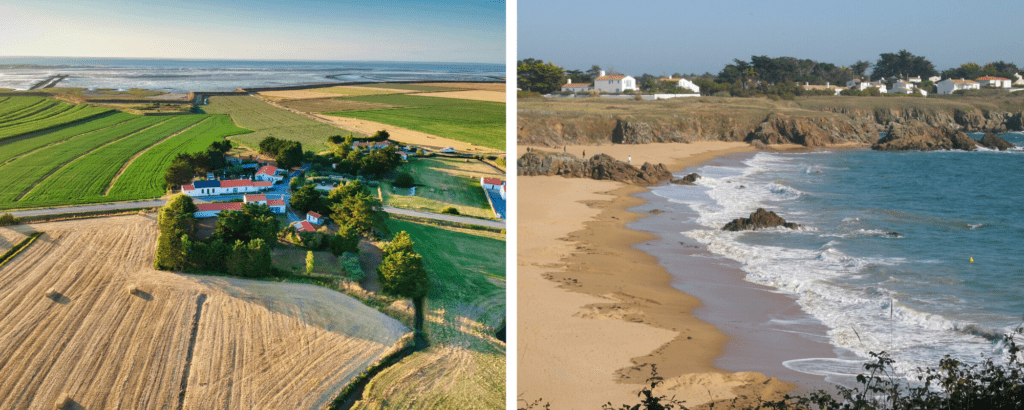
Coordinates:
<point>58,167</point>
<point>257,344</point>
<point>137,155</point>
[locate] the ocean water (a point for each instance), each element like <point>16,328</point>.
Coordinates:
<point>227,75</point>
<point>883,255</point>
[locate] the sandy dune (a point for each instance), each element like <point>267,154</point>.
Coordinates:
<point>406,136</point>
<point>594,312</point>
<point>254,345</point>
<point>478,95</point>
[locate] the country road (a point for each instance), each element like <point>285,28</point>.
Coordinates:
<point>160,202</point>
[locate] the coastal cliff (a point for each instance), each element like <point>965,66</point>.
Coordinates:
<point>600,167</point>
<point>811,122</point>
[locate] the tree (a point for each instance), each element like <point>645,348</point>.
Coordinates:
<point>362,213</point>
<point>402,242</point>
<point>250,259</point>
<point>860,68</point>
<point>535,75</point>
<point>334,139</point>
<point>346,240</point>
<point>176,219</point>
<point>290,155</point>
<point>381,135</point>
<point>902,65</point>
<point>402,274</point>
<point>350,265</point>
<point>8,219</point>
<point>309,262</point>
<point>404,180</point>
<point>307,199</point>
<point>254,221</point>
<point>179,173</point>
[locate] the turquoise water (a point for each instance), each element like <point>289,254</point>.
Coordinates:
<point>883,257</point>
<point>173,75</point>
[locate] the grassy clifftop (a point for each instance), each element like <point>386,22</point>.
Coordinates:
<point>811,121</point>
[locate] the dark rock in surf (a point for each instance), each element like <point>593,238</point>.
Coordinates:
<point>993,141</point>
<point>687,180</point>
<point>759,219</point>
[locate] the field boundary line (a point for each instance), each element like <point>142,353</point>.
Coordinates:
<point>25,136</point>
<point>58,167</point>
<point>200,300</point>
<point>10,254</point>
<point>138,154</point>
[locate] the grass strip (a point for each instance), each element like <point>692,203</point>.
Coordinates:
<point>11,253</point>
<point>439,223</point>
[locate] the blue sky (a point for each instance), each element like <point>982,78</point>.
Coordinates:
<point>664,37</point>
<point>376,30</point>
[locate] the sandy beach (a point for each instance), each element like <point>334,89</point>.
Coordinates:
<point>595,313</point>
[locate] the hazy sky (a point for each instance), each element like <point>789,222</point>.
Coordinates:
<point>664,37</point>
<point>379,30</point>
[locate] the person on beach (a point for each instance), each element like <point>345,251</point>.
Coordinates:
<point>629,159</point>
<point>584,154</point>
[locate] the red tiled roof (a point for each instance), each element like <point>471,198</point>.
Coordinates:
<point>187,188</point>
<point>492,181</point>
<point>255,198</point>
<point>275,202</point>
<point>221,206</point>
<point>262,184</point>
<point>306,226</point>
<point>232,183</point>
<point>989,78</point>
<point>963,81</point>
<point>314,214</point>
<point>267,169</point>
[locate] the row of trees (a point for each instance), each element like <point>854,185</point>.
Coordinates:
<point>287,153</point>
<point>765,75</point>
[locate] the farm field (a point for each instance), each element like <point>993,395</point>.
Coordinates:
<point>180,341</point>
<point>12,235</point>
<point>22,115</point>
<point>476,122</point>
<point>266,120</point>
<point>464,367</point>
<point>443,182</point>
<point>326,92</point>
<point>318,105</point>
<point>80,163</point>
<point>471,86</point>
<point>414,87</point>
<point>478,95</point>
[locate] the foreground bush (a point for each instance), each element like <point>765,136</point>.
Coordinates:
<point>7,219</point>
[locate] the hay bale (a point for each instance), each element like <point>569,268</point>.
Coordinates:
<point>51,293</point>
<point>132,289</point>
<point>63,401</point>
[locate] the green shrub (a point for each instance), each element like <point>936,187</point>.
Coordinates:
<point>404,180</point>
<point>450,211</point>
<point>7,219</point>
<point>350,265</point>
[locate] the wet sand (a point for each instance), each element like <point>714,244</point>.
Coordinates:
<point>595,313</point>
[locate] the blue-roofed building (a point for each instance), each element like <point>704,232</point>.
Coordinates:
<point>206,184</point>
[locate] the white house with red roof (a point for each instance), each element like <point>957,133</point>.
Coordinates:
<point>314,218</point>
<point>614,83</point>
<point>268,173</point>
<point>304,226</point>
<point>207,210</point>
<point>949,85</point>
<point>225,187</point>
<point>994,82</point>
<point>491,184</point>
<point>277,206</point>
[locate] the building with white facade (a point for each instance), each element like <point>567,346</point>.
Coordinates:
<point>949,85</point>
<point>859,85</point>
<point>615,83</point>
<point>268,173</point>
<point>276,205</point>
<point>207,210</point>
<point>994,82</point>
<point>906,87</point>
<point>314,218</point>
<point>225,187</point>
<point>682,83</point>
<point>577,88</point>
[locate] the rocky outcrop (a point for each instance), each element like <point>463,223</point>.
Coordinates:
<point>600,166</point>
<point>918,136</point>
<point>813,131</point>
<point>687,180</point>
<point>993,141</point>
<point>759,219</point>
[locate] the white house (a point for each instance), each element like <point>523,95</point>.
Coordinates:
<point>578,87</point>
<point>314,218</point>
<point>935,78</point>
<point>268,173</point>
<point>994,82</point>
<point>682,83</point>
<point>230,186</point>
<point>834,88</point>
<point>857,84</point>
<point>1019,80</point>
<point>914,79</point>
<point>491,184</point>
<point>903,87</point>
<point>276,205</point>
<point>616,83</point>
<point>949,85</point>
<point>207,210</point>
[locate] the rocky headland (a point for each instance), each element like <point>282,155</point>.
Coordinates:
<point>601,167</point>
<point>810,122</point>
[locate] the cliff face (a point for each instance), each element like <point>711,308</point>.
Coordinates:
<point>600,166</point>
<point>816,124</point>
<point>918,136</point>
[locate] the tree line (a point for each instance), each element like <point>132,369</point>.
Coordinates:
<point>770,75</point>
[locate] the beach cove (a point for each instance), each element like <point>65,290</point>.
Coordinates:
<point>601,310</point>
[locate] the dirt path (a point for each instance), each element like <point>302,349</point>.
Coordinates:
<point>256,344</point>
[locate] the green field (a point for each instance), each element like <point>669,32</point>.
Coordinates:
<point>78,163</point>
<point>267,120</point>
<point>464,367</point>
<point>476,122</point>
<point>23,115</point>
<point>443,182</point>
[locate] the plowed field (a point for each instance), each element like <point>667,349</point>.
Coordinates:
<point>178,341</point>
